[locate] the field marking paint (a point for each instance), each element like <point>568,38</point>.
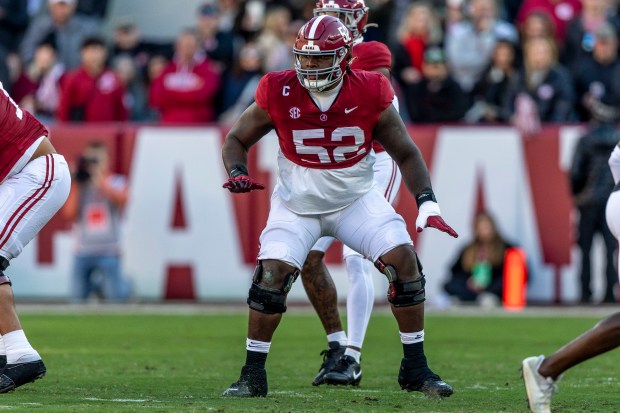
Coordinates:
<point>97,399</point>
<point>2,407</point>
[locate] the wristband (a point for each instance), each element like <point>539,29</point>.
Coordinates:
<point>238,170</point>
<point>426,195</point>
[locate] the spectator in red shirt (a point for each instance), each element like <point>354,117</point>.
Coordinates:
<point>92,93</point>
<point>560,11</point>
<point>185,91</point>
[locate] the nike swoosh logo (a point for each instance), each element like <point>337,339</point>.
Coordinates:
<point>347,111</point>
<point>357,375</point>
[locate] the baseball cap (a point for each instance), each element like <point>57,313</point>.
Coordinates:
<point>125,24</point>
<point>434,55</point>
<point>208,9</point>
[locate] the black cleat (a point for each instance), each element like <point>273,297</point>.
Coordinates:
<point>422,379</point>
<point>330,357</point>
<point>15,375</point>
<point>346,372</point>
<point>251,383</point>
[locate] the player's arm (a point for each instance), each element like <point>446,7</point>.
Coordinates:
<point>253,124</point>
<point>392,134</point>
<point>399,145</point>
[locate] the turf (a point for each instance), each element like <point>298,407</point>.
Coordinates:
<point>182,363</point>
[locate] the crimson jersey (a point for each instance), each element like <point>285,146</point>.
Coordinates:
<point>371,56</point>
<point>325,161</point>
<point>337,138</point>
<point>18,131</point>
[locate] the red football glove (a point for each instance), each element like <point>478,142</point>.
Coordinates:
<point>242,183</point>
<point>437,222</point>
<point>429,216</point>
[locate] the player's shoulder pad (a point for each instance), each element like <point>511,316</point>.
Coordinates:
<point>378,47</point>
<point>273,81</point>
<point>372,81</point>
<point>371,56</point>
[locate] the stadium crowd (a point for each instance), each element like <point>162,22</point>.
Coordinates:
<point>475,61</point>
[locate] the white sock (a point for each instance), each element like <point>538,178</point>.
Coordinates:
<point>353,353</point>
<point>360,298</point>
<point>258,346</point>
<point>339,336</point>
<point>18,349</point>
<point>411,338</point>
<point>2,349</point>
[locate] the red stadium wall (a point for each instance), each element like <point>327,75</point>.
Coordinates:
<point>186,237</point>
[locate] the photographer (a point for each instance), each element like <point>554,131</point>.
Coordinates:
<point>95,205</point>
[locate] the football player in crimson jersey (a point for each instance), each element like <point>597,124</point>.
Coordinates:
<point>325,117</point>
<point>342,365</point>
<point>34,184</point>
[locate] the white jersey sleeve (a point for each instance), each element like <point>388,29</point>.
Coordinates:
<point>614,164</point>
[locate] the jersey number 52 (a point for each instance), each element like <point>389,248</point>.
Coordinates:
<point>329,154</point>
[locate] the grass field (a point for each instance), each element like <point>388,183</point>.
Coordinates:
<point>119,362</point>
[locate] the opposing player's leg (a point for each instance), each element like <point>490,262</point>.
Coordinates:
<point>371,226</point>
<point>541,373</point>
<point>32,197</point>
<point>285,242</point>
<point>322,294</point>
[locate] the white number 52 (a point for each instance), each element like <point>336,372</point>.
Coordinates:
<point>339,152</point>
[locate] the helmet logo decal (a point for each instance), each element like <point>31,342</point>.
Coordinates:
<point>345,33</point>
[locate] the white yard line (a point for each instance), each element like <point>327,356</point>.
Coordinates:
<point>97,399</point>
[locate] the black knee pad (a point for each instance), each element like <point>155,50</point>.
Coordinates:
<point>269,300</point>
<point>403,293</point>
<point>4,264</point>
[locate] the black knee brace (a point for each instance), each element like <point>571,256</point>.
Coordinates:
<point>403,293</point>
<point>4,264</point>
<point>269,300</point>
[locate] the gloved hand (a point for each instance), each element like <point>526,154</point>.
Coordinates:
<point>242,183</point>
<point>430,216</point>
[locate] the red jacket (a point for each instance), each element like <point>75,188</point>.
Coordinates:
<point>560,11</point>
<point>185,94</point>
<point>91,99</point>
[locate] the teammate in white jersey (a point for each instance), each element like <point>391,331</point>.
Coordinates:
<point>34,183</point>
<point>326,118</point>
<point>541,373</point>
